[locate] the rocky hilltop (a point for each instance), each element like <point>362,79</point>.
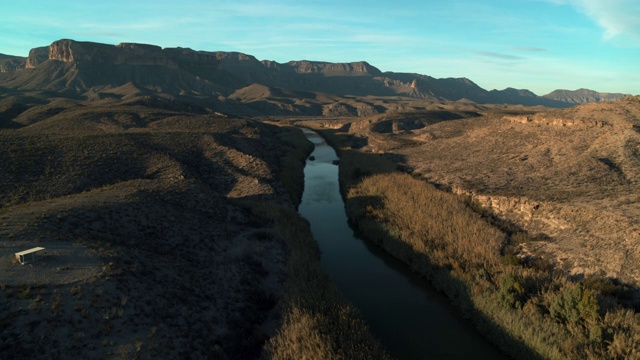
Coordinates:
<point>569,177</point>
<point>11,63</point>
<point>163,186</point>
<point>582,96</point>
<point>81,67</point>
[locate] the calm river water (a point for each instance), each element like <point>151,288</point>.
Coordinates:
<point>410,318</point>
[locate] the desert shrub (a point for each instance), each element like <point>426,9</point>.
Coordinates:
<point>318,323</point>
<point>455,243</point>
<point>432,222</point>
<point>511,259</point>
<point>623,334</point>
<point>55,303</point>
<point>512,293</point>
<point>35,302</point>
<point>76,291</point>
<point>294,150</point>
<point>575,304</point>
<point>605,286</point>
<point>24,292</point>
<point>578,309</point>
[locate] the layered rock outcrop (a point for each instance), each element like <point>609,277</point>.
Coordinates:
<point>11,63</point>
<point>222,73</point>
<point>124,53</point>
<point>552,120</point>
<point>37,56</point>
<point>361,68</point>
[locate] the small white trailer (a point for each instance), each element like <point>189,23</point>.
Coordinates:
<point>29,255</point>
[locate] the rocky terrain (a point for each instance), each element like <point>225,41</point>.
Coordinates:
<point>213,79</point>
<point>582,96</point>
<point>569,178</point>
<point>150,174</point>
<point>152,249</point>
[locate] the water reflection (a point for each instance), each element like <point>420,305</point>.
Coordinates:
<point>403,310</point>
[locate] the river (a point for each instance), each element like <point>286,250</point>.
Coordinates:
<point>410,318</point>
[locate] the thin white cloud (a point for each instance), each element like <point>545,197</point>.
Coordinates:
<point>615,17</point>
<point>498,55</point>
<point>533,49</point>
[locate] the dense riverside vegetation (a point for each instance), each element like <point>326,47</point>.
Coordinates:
<point>318,323</point>
<point>293,161</point>
<point>529,308</point>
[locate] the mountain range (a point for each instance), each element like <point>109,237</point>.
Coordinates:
<point>130,70</point>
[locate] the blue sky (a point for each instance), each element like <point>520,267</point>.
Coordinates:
<point>540,45</point>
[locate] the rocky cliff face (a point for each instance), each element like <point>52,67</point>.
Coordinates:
<point>192,59</point>
<point>361,68</point>
<point>519,210</point>
<point>37,56</point>
<point>11,63</point>
<point>124,53</point>
<point>605,232</point>
<point>142,54</point>
<point>544,119</point>
<point>75,66</point>
<point>185,71</point>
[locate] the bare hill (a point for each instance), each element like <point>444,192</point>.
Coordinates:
<point>150,251</point>
<point>9,63</point>
<point>200,77</point>
<point>569,178</point>
<point>582,96</point>
<point>165,194</point>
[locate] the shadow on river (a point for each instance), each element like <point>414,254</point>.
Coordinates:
<point>404,311</point>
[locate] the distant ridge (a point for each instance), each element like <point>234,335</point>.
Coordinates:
<point>582,96</point>
<point>89,67</point>
<point>9,63</point>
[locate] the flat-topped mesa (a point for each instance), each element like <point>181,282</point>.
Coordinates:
<point>582,96</point>
<point>191,58</point>
<point>360,68</point>
<point>141,54</point>
<point>233,60</point>
<point>69,50</point>
<point>183,70</point>
<point>125,53</point>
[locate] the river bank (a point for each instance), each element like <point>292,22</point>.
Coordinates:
<point>316,320</point>
<point>408,316</point>
<point>528,309</point>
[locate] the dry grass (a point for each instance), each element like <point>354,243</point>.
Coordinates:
<point>451,233</point>
<point>570,176</point>
<point>293,161</point>
<point>318,323</point>
<point>527,307</point>
<point>461,252</point>
<point>157,201</point>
